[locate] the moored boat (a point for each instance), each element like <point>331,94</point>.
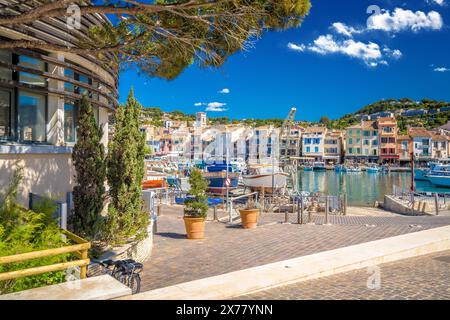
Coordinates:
<point>373,168</point>
<point>271,178</point>
<point>154,180</point>
<point>218,182</point>
<point>420,174</point>
<point>439,176</point>
<point>319,166</point>
<point>353,169</point>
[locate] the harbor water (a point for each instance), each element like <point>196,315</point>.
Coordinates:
<point>362,189</point>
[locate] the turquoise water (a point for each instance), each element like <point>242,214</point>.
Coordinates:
<point>362,189</point>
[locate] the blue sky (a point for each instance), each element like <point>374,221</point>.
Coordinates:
<point>335,63</point>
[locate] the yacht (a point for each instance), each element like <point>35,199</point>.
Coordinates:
<point>420,174</point>
<point>439,176</point>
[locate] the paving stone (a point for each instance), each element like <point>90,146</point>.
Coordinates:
<point>421,278</point>
<point>226,249</point>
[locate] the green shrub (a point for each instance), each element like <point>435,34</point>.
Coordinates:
<point>23,230</point>
<point>198,206</point>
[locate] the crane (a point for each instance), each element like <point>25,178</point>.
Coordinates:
<point>285,132</point>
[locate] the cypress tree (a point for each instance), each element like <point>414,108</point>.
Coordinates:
<point>88,158</point>
<point>125,162</point>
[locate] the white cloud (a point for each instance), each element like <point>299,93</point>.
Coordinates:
<point>345,30</point>
<point>439,2</point>
<point>371,53</point>
<point>401,20</point>
<point>394,54</point>
<point>441,69</point>
<point>216,107</point>
<point>199,104</point>
<point>296,47</point>
<point>225,91</point>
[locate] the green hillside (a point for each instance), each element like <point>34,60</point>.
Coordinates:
<point>434,119</point>
<point>429,121</point>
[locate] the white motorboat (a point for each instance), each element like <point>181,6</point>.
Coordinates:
<point>373,168</point>
<point>271,178</point>
<point>319,166</point>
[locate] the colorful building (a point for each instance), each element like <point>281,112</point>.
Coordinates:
<point>334,146</point>
<point>313,142</point>
<point>387,131</point>
<point>404,148</point>
<point>439,147</point>
<point>421,143</point>
<point>353,143</point>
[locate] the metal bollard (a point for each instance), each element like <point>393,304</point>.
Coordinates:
<point>155,224</point>
<point>436,202</point>
<point>215,213</point>
<point>327,208</point>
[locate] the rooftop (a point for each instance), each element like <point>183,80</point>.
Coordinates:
<point>419,132</point>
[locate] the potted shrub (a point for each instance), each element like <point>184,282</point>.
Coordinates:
<point>196,207</point>
<point>250,215</point>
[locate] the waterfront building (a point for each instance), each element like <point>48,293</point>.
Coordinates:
<point>387,131</point>
<point>439,150</point>
<point>290,144</point>
<point>39,90</point>
<point>313,142</point>
<point>421,141</point>
<point>404,148</point>
<point>353,143</point>
<point>334,146</point>
<point>370,141</point>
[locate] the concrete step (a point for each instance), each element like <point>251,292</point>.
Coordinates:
<point>102,287</point>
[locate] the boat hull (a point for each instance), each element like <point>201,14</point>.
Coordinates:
<point>256,182</point>
<point>440,181</point>
<point>154,184</point>
<point>217,182</point>
<point>420,174</point>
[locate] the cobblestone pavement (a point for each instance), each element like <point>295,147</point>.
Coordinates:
<point>230,248</point>
<point>421,278</point>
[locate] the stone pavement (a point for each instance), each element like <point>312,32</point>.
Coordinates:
<point>229,248</point>
<point>421,278</point>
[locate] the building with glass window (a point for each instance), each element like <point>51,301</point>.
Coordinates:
<point>39,93</point>
<point>387,132</point>
<point>313,143</point>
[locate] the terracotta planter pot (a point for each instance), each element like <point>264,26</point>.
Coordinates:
<point>195,228</point>
<point>249,218</point>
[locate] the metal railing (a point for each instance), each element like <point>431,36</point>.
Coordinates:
<point>423,201</point>
<point>317,203</point>
<point>234,202</point>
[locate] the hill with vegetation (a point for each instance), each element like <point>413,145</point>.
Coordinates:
<point>434,117</point>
